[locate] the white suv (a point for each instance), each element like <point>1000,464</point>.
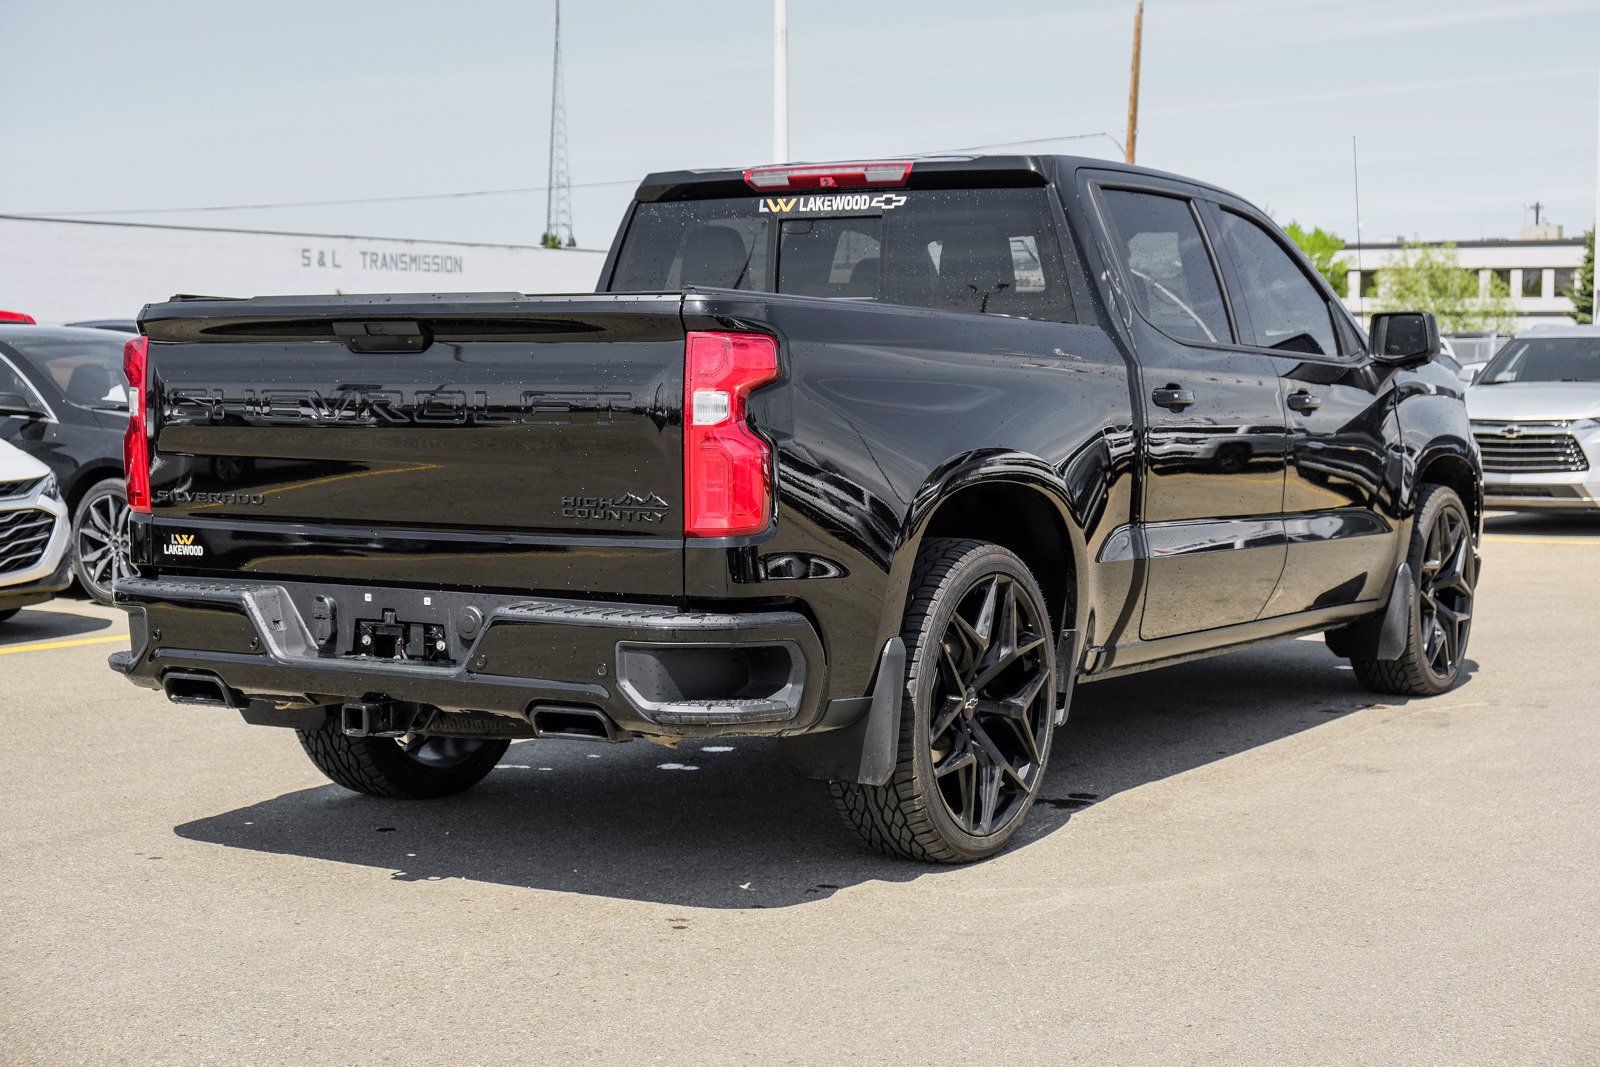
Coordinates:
<point>1535,412</point>
<point>33,533</point>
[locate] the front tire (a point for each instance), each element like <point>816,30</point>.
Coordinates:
<point>976,724</point>
<point>406,768</point>
<point>100,538</point>
<point>1445,565</point>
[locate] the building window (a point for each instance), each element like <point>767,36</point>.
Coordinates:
<point>1566,280</point>
<point>1532,283</point>
<point>1500,282</point>
<point>1369,283</point>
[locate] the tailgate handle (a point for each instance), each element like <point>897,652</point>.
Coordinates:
<point>365,337</point>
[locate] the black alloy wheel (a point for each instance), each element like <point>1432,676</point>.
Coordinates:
<point>1448,572</point>
<point>977,720</point>
<point>1444,565</point>
<point>991,716</point>
<point>440,753</point>
<point>100,538</point>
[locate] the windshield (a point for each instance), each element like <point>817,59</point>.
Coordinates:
<point>989,251</point>
<point>1545,359</point>
<point>87,371</point>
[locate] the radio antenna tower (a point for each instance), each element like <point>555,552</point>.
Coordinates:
<point>558,202</point>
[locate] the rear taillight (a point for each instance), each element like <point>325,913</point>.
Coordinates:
<point>727,468</point>
<point>16,316</point>
<point>829,175</point>
<point>136,440</point>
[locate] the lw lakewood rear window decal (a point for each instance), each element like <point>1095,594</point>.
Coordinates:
<point>790,205</point>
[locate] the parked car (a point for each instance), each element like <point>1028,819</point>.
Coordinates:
<point>68,407</point>
<point>1474,350</point>
<point>34,533</point>
<point>826,460</point>
<point>1535,412</point>
<point>115,325</point>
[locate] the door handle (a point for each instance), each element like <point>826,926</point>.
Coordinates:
<point>1304,403</point>
<point>1174,397</point>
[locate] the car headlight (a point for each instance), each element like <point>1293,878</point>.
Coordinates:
<point>51,488</point>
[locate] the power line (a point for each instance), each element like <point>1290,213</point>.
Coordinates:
<point>322,203</point>
<point>1024,144</point>
<point>518,190</point>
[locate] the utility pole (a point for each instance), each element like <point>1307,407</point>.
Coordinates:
<point>558,194</point>
<point>1133,80</point>
<point>780,81</point>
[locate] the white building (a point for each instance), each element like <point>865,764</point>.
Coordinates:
<point>1537,270</point>
<point>61,271</point>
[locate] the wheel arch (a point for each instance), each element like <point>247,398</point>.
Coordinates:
<point>1011,499</point>
<point>1446,465</point>
<point>85,479</point>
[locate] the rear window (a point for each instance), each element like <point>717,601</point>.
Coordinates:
<point>989,251</point>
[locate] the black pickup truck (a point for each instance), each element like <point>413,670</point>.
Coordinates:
<point>876,459</point>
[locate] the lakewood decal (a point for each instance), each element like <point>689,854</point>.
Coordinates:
<point>794,205</point>
<point>182,544</point>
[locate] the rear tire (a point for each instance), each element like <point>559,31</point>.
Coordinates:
<point>100,538</point>
<point>414,768</point>
<point>1444,566</point>
<point>976,723</point>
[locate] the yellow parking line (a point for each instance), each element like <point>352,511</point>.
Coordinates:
<point>40,646</point>
<point>1535,539</point>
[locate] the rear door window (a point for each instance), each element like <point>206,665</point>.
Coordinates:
<point>1173,279</point>
<point>989,251</point>
<point>1285,311</point>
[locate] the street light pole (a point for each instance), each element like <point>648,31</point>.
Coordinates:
<point>780,81</point>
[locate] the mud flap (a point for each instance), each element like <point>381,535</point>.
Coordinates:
<point>1066,672</point>
<point>863,751</point>
<point>1380,636</point>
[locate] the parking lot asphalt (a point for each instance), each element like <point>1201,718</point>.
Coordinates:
<point>1248,859</point>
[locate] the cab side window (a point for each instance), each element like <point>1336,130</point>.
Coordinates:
<point>1173,280</point>
<point>1285,310</point>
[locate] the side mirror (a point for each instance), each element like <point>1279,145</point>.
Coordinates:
<point>17,404</point>
<point>1402,337</point>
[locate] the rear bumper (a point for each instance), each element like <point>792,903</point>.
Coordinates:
<point>651,670</point>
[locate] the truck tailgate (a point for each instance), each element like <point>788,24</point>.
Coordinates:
<point>519,443</point>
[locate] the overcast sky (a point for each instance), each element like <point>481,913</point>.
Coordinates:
<point>1466,111</point>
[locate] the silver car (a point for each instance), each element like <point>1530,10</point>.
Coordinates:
<point>1535,412</point>
<point>33,533</point>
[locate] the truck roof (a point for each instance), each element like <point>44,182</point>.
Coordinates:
<point>927,172</point>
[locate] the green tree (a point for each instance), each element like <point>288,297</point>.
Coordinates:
<point>1322,249</point>
<point>1431,278</point>
<point>1582,293</point>
<point>550,240</point>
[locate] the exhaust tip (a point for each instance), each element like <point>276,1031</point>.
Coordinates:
<point>573,722</point>
<point>200,688</point>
